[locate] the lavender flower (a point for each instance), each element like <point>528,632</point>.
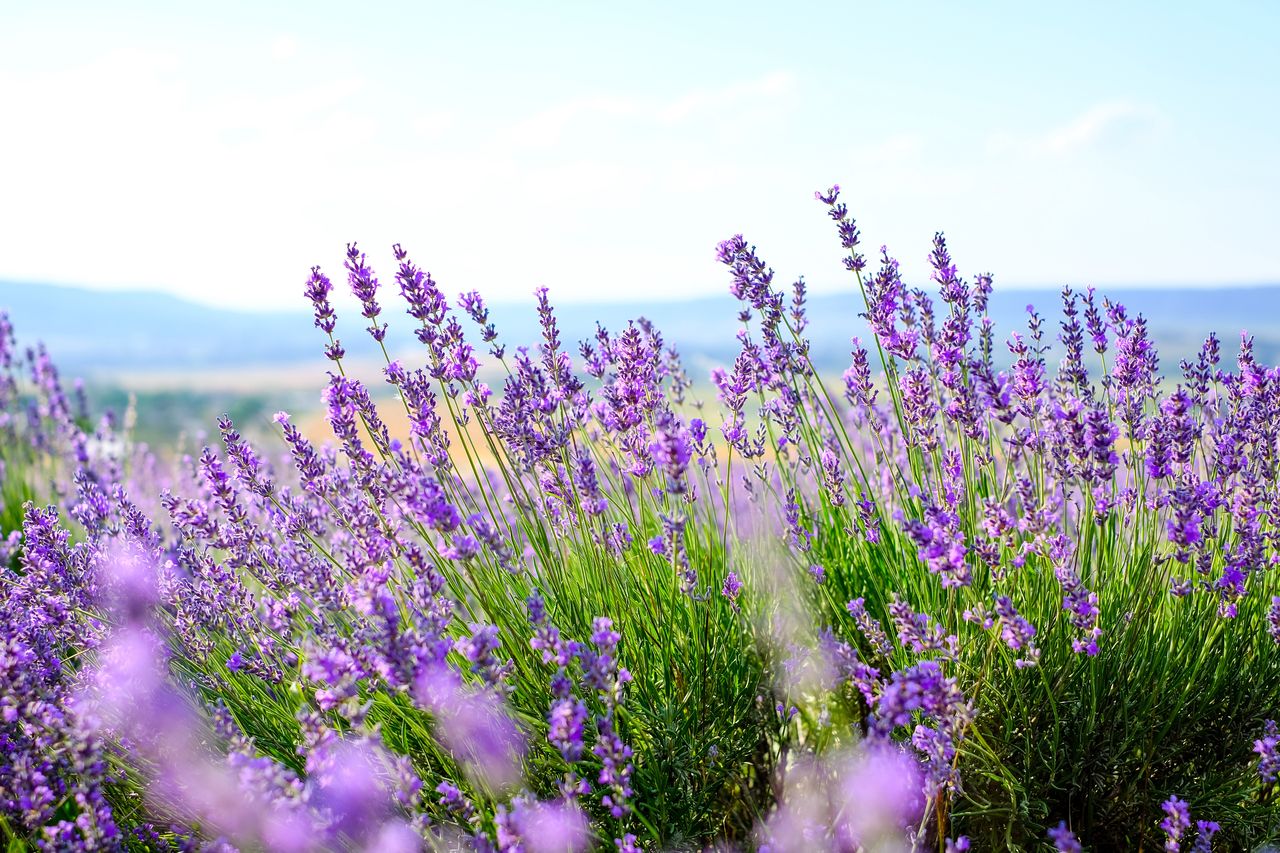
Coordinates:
<point>556,827</point>
<point>833,477</point>
<point>945,712</point>
<point>919,408</point>
<point>940,544</point>
<point>472,303</point>
<point>365,288</point>
<point>916,633</point>
<point>732,587</point>
<point>1028,375</point>
<point>1268,754</point>
<point>330,586</point>
<point>1175,824</point>
<point>672,450</point>
<point>859,389</point>
<point>1205,830</point>
<point>566,721</point>
<point>870,627</point>
<point>881,791</point>
<point>1064,840</point>
<point>317,290</point>
<point>1015,631</point>
<point>473,726</point>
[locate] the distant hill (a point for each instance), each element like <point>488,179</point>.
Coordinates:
<point>105,333</point>
<point>100,332</point>
<point>704,329</point>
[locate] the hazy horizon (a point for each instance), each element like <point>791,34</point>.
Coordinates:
<point>389,293</point>
<point>145,336</point>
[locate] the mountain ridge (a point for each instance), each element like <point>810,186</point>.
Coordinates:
<point>104,333</point>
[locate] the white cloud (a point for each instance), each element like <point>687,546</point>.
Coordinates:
<point>284,48</point>
<point>132,169</point>
<point>434,124</point>
<point>550,125</point>
<point>1107,123</point>
<point>132,176</point>
<point>906,165</point>
<point>700,101</point>
<point>1095,124</point>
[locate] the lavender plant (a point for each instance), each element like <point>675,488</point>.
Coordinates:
<point>1094,557</point>
<point>952,599</point>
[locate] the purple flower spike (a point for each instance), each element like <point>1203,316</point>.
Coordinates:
<point>1064,840</point>
<point>1268,749</point>
<point>732,587</point>
<point>1175,824</point>
<point>880,793</point>
<point>365,287</point>
<point>1205,830</point>
<point>317,290</point>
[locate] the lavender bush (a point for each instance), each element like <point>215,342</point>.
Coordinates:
<point>955,599</point>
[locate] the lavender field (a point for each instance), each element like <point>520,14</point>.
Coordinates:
<point>982,586</point>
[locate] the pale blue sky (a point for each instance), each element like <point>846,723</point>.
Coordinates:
<point>602,149</point>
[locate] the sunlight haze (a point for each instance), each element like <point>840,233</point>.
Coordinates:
<point>603,150</point>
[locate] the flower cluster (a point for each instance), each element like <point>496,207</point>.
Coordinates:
<point>547,604</point>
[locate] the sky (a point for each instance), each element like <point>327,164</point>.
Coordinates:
<point>218,151</point>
